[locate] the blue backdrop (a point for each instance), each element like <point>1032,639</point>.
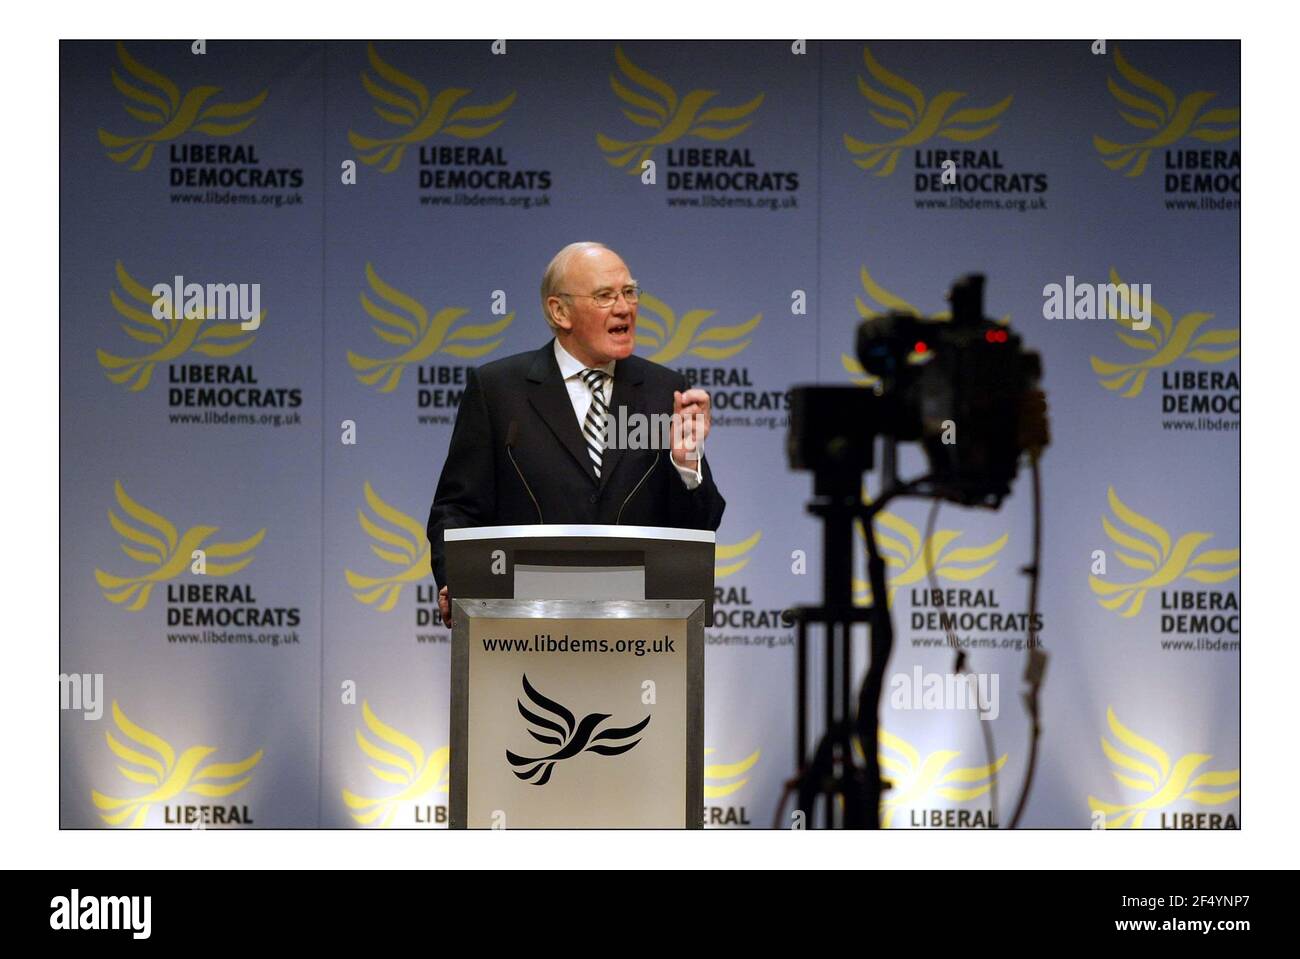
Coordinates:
<point>397,202</point>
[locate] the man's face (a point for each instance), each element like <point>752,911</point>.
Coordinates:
<point>596,334</point>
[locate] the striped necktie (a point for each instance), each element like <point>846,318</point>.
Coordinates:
<point>593,428</point>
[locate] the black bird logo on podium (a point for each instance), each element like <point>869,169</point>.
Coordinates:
<point>570,736</point>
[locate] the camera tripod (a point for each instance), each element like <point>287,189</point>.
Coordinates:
<point>832,771</point>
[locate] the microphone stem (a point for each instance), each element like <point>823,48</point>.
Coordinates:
<point>618,519</point>
<point>511,453</point>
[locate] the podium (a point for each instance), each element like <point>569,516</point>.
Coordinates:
<point>577,686</point>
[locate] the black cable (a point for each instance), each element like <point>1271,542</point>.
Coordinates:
<point>1035,660</point>
<point>882,644</point>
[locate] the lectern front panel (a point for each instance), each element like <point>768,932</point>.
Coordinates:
<point>577,714</point>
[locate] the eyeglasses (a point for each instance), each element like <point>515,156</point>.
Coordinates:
<point>605,300</point>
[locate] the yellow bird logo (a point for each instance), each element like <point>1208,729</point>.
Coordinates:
<point>1145,546</point>
<point>1165,341</point>
<point>656,106</point>
<point>403,322</point>
<point>403,544</point>
<point>1157,109</point>
<point>407,104</point>
<point>659,330</point>
<point>1143,766</point>
<point>734,557</point>
<point>914,778</point>
<point>157,102</point>
<point>171,337</point>
<point>905,108</point>
<point>405,765</point>
<point>909,557</point>
<point>155,542</point>
<point>153,762</point>
<point>723,779</point>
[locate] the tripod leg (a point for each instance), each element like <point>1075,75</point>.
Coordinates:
<point>882,642</point>
<point>801,695</point>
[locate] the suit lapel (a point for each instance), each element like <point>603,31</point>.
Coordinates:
<point>550,398</point>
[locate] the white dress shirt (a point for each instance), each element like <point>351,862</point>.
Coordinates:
<point>580,396</point>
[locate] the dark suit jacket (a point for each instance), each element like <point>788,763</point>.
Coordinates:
<point>479,486</point>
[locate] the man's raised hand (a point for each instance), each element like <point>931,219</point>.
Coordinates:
<point>691,423</point>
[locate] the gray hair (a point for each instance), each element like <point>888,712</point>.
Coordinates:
<point>556,270</point>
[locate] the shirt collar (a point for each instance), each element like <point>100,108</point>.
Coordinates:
<point>571,367</point>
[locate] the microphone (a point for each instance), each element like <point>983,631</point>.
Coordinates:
<point>646,476</point>
<point>512,434</point>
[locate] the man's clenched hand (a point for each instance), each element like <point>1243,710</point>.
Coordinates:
<point>692,421</point>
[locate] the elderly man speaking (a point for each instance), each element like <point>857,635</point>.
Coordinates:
<point>548,410</point>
